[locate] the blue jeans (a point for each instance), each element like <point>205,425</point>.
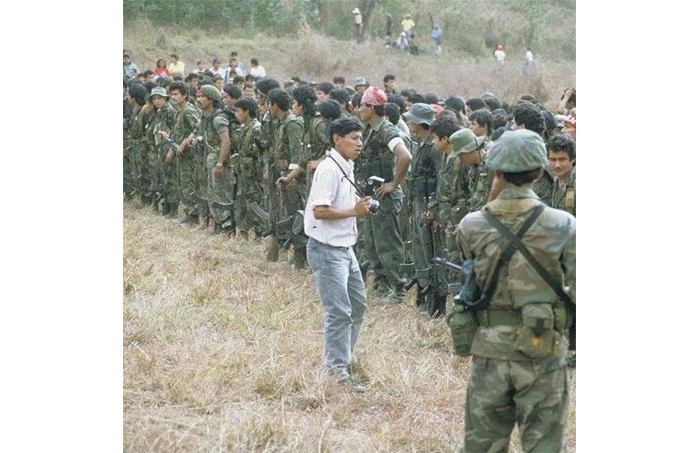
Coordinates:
<point>339,282</point>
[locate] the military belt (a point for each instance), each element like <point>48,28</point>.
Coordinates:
<point>492,318</point>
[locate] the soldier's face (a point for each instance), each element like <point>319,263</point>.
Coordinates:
<point>560,163</point>
<point>413,127</point>
<point>159,101</point>
<point>249,93</point>
<point>228,100</point>
<point>366,111</point>
<point>202,101</point>
<point>389,85</point>
<point>242,115</point>
<point>297,110</point>
<point>177,97</point>
<point>219,84</point>
<point>349,146</point>
<point>479,131</point>
<point>322,97</point>
<point>440,143</point>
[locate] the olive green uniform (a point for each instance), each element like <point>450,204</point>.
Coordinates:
<point>220,188</point>
<point>248,168</point>
<point>186,122</point>
<point>564,196</point>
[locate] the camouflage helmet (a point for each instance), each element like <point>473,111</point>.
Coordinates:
<point>517,151</point>
<point>464,141</point>
<point>211,92</point>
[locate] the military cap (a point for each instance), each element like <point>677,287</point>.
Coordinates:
<point>356,11</point>
<point>517,151</point>
<point>464,141</point>
<point>211,92</point>
<point>158,91</point>
<point>420,114</point>
<point>361,81</point>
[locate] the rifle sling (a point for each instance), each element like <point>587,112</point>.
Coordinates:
<point>515,242</point>
<point>507,253</point>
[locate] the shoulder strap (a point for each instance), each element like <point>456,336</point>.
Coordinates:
<point>517,244</point>
<point>507,253</point>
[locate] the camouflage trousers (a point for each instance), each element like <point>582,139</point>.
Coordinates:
<point>249,191</point>
<point>186,180</point>
<point>220,189</point>
<point>201,184</point>
<point>502,392</point>
<point>449,251</point>
<point>425,247</point>
<point>154,173</point>
<point>382,247</point>
<point>128,174</point>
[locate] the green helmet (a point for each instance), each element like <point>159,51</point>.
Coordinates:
<point>517,151</point>
<point>211,92</point>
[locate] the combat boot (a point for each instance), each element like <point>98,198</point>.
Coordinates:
<point>299,259</point>
<point>272,248</point>
<point>436,305</point>
<point>243,234</point>
<point>420,296</point>
<point>173,210</point>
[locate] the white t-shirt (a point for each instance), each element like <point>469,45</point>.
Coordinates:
<point>257,71</point>
<point>330,187</point>
<point>528,56</point>
<point>500,56</point>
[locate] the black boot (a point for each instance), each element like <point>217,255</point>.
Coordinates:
<point>437,305</point>
<point>172,210</point>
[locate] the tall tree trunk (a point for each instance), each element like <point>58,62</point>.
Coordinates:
<point>366,8</point>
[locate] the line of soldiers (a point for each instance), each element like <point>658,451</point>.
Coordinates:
<point>239,164</point>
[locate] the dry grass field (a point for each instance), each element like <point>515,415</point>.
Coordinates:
<point>223,352</point>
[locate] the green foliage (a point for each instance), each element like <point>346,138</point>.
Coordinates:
<point>472,26</point>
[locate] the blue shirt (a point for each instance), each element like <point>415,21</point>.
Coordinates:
<point>130,70</point>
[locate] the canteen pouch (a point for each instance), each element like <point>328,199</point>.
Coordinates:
<point>463,327</point>
<point>536,335</point>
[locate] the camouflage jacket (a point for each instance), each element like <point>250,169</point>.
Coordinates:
<point>376,158</point>
<point>422,180</point>
<point>543,187</point>
<point>564,197</point>
<point>186,122</point>
<point>551,240</point>
<point>452,194</point>
<point>247,161</point>
<point>210,127</point>
<point>286,150</point>
<point>480,179</point>
<point>163,120</point>
<point>315,140</point>
<point>235,128</point>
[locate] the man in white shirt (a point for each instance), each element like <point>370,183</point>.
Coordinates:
<point>256,69</point>
<point>329,222</point>
<point>216,68</point>
<point>176,66</point>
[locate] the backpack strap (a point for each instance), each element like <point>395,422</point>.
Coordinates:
<point>516,243</point>
<point>506,255</point>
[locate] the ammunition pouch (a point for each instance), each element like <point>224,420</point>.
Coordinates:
<point>458,211</point>
<point>536,336</point>
<point>463,327</point>
<point>234,162</point>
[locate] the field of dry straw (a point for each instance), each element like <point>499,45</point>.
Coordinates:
<point>223,352</point>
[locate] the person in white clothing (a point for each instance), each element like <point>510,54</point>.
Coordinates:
<point>500,55</point>
<point>329,222</point>
<point>256,69</point>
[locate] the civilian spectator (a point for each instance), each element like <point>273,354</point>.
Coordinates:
<point>130,69</point>
<point>201,67</point>
<point>176,66</point>
<point>500,55</point>
<point>256,68</point>
<point>161,71</point>
<point>217,69</point>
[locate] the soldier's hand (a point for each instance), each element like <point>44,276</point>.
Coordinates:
<point>169,156</point>
<point>386,188</point>
<point>163,134</point>
<point>291,184</point>
<point>280,181</point>
<point>362,207</point>
<point>218,171</point>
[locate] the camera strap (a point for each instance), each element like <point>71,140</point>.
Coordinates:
<point>344,174</point>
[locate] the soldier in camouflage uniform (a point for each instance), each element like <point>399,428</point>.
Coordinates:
<point>384,154</point>
<point>518,370</point>
<point>134,139</point>
<point>247,165</point>
<point>186,123</point>
<point>451,201</point>
<point>163,181</point>
<point>422,183</point>
<point>562,161</point>
<point>127,171</point>
<point>214,130</point>
<point>286,163</point>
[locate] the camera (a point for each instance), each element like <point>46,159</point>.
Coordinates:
<point>373,183</point>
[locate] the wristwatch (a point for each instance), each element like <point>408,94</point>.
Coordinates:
<point>218,165</point>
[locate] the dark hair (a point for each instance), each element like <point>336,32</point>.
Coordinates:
<point>181,87</point>
<point>280,97</point>
<point>492,103</point>
<point>165,81</point>
<point>505,106</point>
<point>341,96</point>
<point>191,76</point>
<point>572,99</point>
<point>406,92</point>
<point>497,133</point>
<point>266,84</point>
<point>483,118</point>
<point>562,142</point>
<point>218,77</point>
<point>147,72</point>
<point>199,62</point>
<point>138,92</point>
<point>476,103</point>
<point>343,126</point>
<point>529,97</point>
<point>172,55</point>
<point>177,77</point>
<point>398,100</point>
<point>326,87</point>
<point>379,110</point>
<point>150,85</point>
<point>250,77</point>
<point>393,112</point>
<point>249,105</point>
<point>416,98</point>
<point>233,91</point>
<point>238,79</point>
<point>356,100</point>
<point>254,61</point>
<point>192,92</point>
<point>499,120</point>
<point>209,74</point>
<point>550,123</point>
<point>522,177</point>
<point>330,110</point>
<point>527,114</point>
<point>431,98</point>
<point>249,85</point>
<point>339,79</point>
<point>306,98</point>
<point>389,77</point>
<point>158,63</point>
<point>445,126</point>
